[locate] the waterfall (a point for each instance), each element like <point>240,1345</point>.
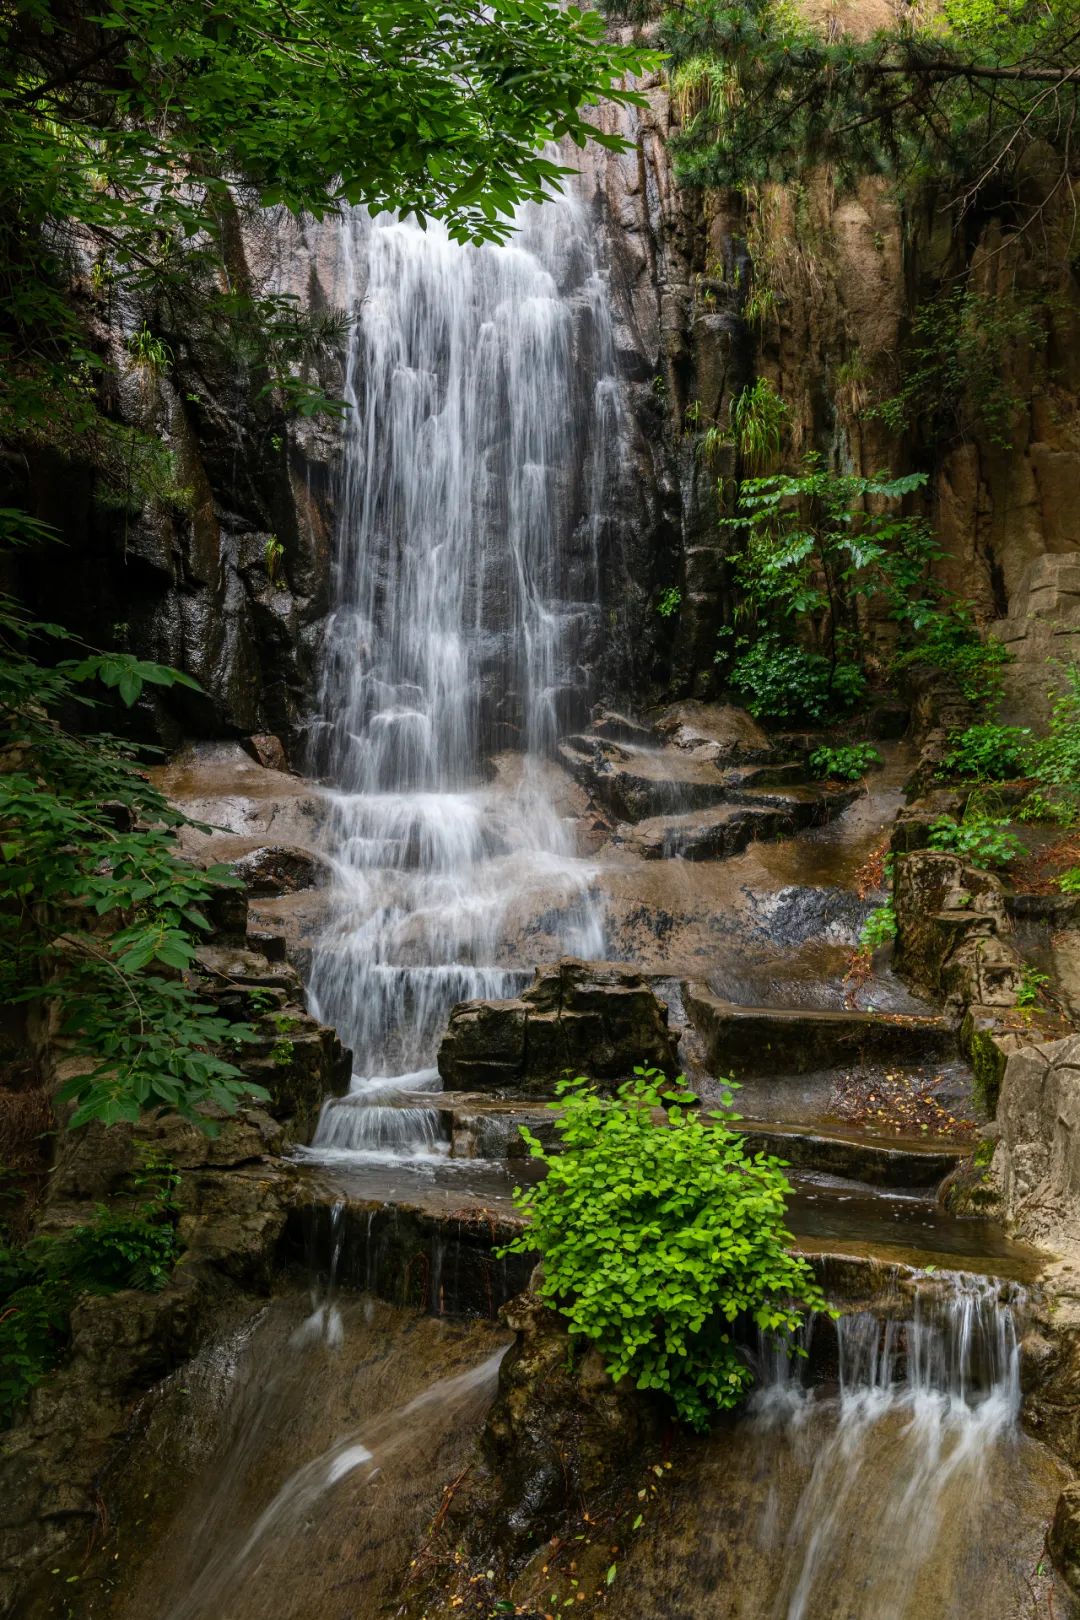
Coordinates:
<point>902,1464</point>
<point>483,411</point>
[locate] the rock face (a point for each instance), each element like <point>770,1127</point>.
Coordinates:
<point>1037,1164</point>
<point>560,1428</point>
<point>953,931</point>
<point>1064,1538</point>
<point>585,1017</point>
<point>1042,632</point>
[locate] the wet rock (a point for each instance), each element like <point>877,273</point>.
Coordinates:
<point>633,782</point>
<point>773,1040</point>
<point>953,931</point>
<point>267,751</point>
<point>582,1017</point>
<point>716,731</point>
<point>614,727</point>
<point>874,1163</point>
<point>1063,1541</point>
<point>559,1433</point>
<point>701,835</point>
<point>301,1063</point>
<point>441,1259</point>
<point>756,813</point>
<point>275,869</point>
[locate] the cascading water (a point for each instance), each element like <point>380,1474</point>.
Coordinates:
<point>483,414</point>
<point>922,1409</point>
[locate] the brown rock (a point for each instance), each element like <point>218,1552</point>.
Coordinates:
<point>267,751</point>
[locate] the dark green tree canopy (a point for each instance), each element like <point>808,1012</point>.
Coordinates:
<point>134,128</point>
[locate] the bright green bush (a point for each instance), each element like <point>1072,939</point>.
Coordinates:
<point>1069,882</point>
<point>847,762</point>
<point>658,1237</point>
<point>990,752</point>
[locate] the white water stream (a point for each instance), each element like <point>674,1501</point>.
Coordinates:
<point>899,1468</point>
<point>482,424</point>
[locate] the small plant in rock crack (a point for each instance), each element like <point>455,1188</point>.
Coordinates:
<point>847,762</point>
<point>274,557</point>
<point>658,1235</point>
<point>670,602</point>
<point>1032,987</point>
<point>879,927</point>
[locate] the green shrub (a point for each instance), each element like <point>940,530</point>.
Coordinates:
<point>657,1238</point>
<point>670,602</point>
<point>984,840</point>
<point>1069,882</point>
<point>990,752</point>
<point>948,640</point>
<point>1039,806</point>
<point>782,681</point>
<point>848,762</point>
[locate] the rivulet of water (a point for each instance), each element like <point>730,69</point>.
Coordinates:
<point>482,426</point>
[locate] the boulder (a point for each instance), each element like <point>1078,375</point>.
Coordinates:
<point>559,1433</point>
<point>1037,1163</point>
<point>583,1017</point>
<point>632,781</point>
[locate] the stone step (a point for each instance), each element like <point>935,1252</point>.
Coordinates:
<point>856,1156</point>
<point>483,1130</point>
<point>749,813</point>
<point>742,1040</point>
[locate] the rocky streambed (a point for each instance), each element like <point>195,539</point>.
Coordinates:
<point>350,1444</point>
